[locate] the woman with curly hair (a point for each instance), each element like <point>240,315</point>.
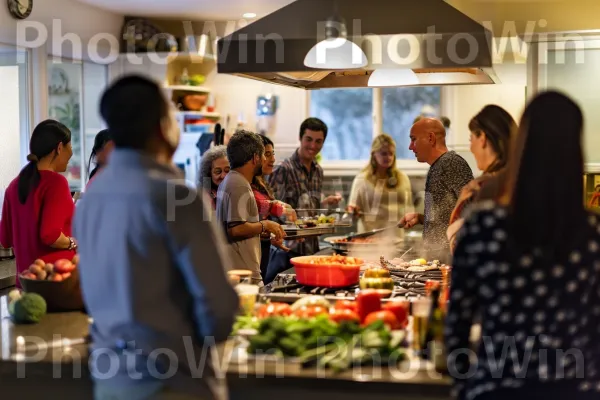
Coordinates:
<point>214,167</point>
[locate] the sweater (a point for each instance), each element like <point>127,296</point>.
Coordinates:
<point>31,228</point>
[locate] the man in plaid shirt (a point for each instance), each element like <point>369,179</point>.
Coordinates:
<point>298,181</point>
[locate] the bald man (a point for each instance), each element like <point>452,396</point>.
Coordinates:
<point>448,174</point>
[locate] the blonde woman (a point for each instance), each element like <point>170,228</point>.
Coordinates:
<point>381,194</point>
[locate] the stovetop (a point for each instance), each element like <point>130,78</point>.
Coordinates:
<point>408,285</point>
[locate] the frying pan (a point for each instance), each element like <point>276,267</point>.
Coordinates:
<point>348,246</point>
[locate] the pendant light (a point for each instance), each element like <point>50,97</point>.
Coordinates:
<point>393,77</point>
<point>336,51</point>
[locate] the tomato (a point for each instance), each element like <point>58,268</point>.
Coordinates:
<point>341,315</point>
<point>367,301</point>
<point>387,317</point>
<point>63,266</point>
<point>310,311</point>
<point>274,309</point>
<point>400,310</point>
<point>346,305</point>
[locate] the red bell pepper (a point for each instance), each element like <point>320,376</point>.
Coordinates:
<point>400,310</point>
<point>367,301</point>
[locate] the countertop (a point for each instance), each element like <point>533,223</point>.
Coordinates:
<point>56,348</point>
<point>8,273</point>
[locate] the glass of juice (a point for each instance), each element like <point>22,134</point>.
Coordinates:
<point>420,314</point>
<point>247,294</point>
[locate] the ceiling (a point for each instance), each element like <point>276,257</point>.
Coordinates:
<point>217,10</point>
<point>559,15</point>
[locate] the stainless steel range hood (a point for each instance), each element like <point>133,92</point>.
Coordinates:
<point>436,41</point>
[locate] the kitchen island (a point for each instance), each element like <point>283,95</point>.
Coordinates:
<point>35,359</point>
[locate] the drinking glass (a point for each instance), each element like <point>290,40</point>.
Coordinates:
<point>420,314</point>
<point>247,294</point>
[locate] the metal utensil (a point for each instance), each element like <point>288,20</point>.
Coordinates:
<point>405,253</point>
<point>374,232</point>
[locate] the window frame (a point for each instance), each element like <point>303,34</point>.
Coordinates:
<point>82,122</point>
<point>410,167</point>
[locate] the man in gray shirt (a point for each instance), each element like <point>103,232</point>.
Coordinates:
<point>447,175</point>
<point>236,205</point>
<point>152,263</point>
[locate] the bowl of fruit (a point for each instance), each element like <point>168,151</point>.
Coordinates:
<point>57,283</point>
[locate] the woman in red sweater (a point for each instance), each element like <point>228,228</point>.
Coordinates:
<point>38,208</point>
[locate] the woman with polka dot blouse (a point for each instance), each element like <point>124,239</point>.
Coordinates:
<point>528,268</point>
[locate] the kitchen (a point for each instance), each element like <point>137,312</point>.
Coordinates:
<point>459,110</point>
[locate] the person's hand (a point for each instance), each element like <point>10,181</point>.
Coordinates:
<point>279,244</point>
<point>289,212</point>
<point>274,228</point>
<point>410,220</point>
<point>465,194</point>
<point>354,210</point>
<point>333,200</point>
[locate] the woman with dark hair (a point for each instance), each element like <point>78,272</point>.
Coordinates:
<point>491,131</point>
<point>268,206</point>
<point>38,207</point>
<point>529,270</point>
<point>103,145</point>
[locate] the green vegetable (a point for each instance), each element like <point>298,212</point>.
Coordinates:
<point>298,327</point>
<point>30,308</point>
<point>260,343</point>
<point>320,341</point>
<point>245,322</point>
<point>312,357</point>
<point>289,347</point>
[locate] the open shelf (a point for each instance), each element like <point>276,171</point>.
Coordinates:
<point>188,88</point>
<point>199,114</point>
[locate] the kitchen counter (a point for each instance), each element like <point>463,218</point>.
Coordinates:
<point>8,273</point>
<point>53,355</point>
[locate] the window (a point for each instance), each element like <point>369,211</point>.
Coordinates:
<point>401,105</point>
<point>95,79</point>
<point>74,90</point>
<point>348,115</point>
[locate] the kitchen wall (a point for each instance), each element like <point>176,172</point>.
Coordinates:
<point>59,18</point>
<point>237,98</point>
<point>463,102</point>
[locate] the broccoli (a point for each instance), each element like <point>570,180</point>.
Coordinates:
<point>30,308</point>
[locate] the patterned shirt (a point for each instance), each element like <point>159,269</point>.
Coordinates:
<point>293,184</point>
<point>540,318</point>
<point>445,180</point>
